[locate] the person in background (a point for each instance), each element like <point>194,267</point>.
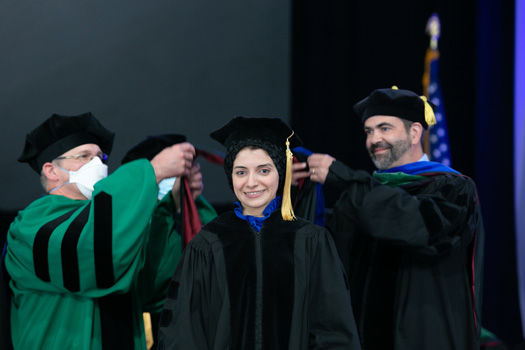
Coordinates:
<point>169,205</point>
<point>257,277</point>
<point>410,235</point>
<point>80,258</point>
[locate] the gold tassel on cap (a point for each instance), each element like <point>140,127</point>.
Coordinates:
<point>430,117</point>
<point>286,206</point>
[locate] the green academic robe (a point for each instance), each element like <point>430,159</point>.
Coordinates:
<point>83,271</point>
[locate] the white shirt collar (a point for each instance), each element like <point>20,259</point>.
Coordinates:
<point>424,158</point>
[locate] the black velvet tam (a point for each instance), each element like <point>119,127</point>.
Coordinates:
<point>59,133</point>
<point>151,146</point>
<point>399,103</point>
<point>273,130</point>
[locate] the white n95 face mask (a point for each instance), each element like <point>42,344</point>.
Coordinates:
<point>165,186</point>
<point>87,176</point>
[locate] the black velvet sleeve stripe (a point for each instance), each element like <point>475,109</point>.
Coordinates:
<point>166,317</point>
<point>70,270</point>
<point>116,321</point>
<point>173,290</point>
<point>104,240</point>
<point>41,244</point>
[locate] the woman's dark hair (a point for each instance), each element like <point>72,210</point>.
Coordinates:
<point>277,154</point>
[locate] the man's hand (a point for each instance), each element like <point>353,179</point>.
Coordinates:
<point>319,165</point>
<point>195,181</point>
<point>173,161</point>
<point>299,172</point>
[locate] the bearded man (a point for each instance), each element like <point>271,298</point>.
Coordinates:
<point>410,235</point>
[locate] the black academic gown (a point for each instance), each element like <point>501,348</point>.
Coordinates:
<point>413,255</point>
<point>281,288</point>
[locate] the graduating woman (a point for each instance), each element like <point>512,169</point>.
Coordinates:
<point>257,277</point>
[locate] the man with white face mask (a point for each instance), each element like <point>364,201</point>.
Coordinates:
<point>83,260</point>
<point>87,175</point>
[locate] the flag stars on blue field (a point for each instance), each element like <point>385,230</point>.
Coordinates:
<point>439,149</point>
<point>432,88</point>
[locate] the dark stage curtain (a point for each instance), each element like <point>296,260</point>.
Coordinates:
<point>494,164</point>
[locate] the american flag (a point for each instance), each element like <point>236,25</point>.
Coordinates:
<point>439,144</point>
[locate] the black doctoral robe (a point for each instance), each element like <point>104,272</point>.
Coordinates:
<point>281,288</point>
<point>413,255</point>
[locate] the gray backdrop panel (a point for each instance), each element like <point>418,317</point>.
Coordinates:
<point>142,68</point>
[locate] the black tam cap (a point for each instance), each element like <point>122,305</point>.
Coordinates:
<point>399,103</point>
<point>152,146</point>
<point>273,130</point>
<point>59,133</point>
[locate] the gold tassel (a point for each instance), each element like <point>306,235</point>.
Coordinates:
<point>286,206</point>
<point>430,117</point>
<point>148,330</point>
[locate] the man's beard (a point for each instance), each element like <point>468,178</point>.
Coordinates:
<point>395,151</point>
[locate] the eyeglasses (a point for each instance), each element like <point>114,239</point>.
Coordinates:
<point>86,157</point>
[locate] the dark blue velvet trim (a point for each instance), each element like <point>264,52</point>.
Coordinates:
<point>420,168</point>
<point>255,221</point>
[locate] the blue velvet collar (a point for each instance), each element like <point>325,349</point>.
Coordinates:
<point>420,167</point>
<point>257,222</point>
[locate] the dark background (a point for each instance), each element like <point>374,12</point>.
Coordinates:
<point>147,68</point>
<point>142,68</point>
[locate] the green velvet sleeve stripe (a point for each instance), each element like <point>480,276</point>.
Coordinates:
<point>103,238</point>
<point>41,244</point>
<point>69,253</point>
